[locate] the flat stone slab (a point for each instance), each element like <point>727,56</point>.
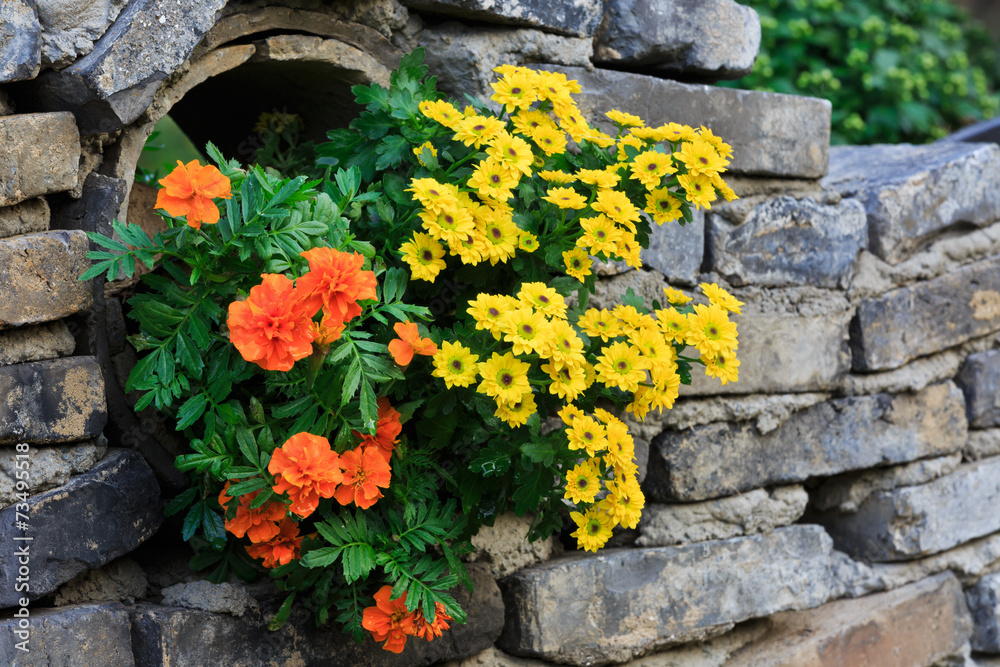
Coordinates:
<point>918,624</point>
<point>979,380</point>
<point>35,343</point>
<point>83,635</point>
<point>912,193</point>
<point>914,521</point>
<point>717,39</point>
<point>675,251</point>
<point>97,517</point>
<point>60,400</point>
<point>757,511</point>
<point>829,438</point>
<point>848,491</point>
<point>984,603</point>
<point>51,466</point>
<point>788,241</point>
<point>39,154</point>
<point>20,40</point>
<point>579,18</point>
<point>620,604</point>
<point>39,277</point>
<point>31,215</point>
<point>771,134</point>
<point>927,317</point>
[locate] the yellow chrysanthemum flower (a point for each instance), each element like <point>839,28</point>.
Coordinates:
<point>621,155</point>
<point>569,414</point>
<point>516,90</point>
<point>721,365</point>
<point>511,151</point>
<point>441,111</point>
<point>502,237</point>
<point>721,298</point>
<point>577,263</point>
<point>567,347</point>
<point>656,134</point>
<point>470,249</point>
<point>700,157</point>
<point>628,317</point>
<point>594,528</point>
<point>527,331</point>
<point>488,309</point>
<point>595,136</point>
<point>516,413</point>
<point>675,297</point>
<point>568,382</point>
<point>624,503</point>
<point>653,347</point>
<point>504,377</point>
<point>663,206</point>
<point>624,119</point>
<point>455,364</point>
<point>621,365</point>
<point>543,298</point>
<point>600,323</point>
<point>698,189</point>
<point>583,482</point>
<point>452,225</point>
<point>673,324</point>
<point>558,177</point>
<point>565,198</point>
<point>599,177</point>
<point>425,257</point>
<point>600,235</point>
<point>477,130</point>
<point>666,386</point>
<point>723,149</point>
<point>493,180</point>
<point>710,330</point>
<point>620,454</point>
<point>528,121</point>
<point>723,188</point>
<point>617,206</point>
<point>419,152</point>
<point>550,139</point>
<point>587,434</point>
<point>650,167</point>
<point>527,241</point>
<point>433,196</point>
<point>676,132</point>
<point>629,249</point>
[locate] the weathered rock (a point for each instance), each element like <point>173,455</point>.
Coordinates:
<point>912,193</point>
<point>463,57</point>
<point>847,492</point>
<point>927,317</point>
<point>28,216</point>
<point>826,439</point>
<point>97,207</point>
<point>578,19</point>
<point>112,85</point>
<point>718,39</point>
<point>979,380</point>
<point>54,401</point>
<point>617,605</point>
<point>771,134</point>
<point>878,630</point>
<point>39,277</point>
<point>49,467</point>
<point>119,581</point>
<point>755,512</point>
<point>788,241</point>
<point>20,40</point>
<point>221,598</point>
<point>982,444</point>
<point>35,343</point>
<point>116,505</point>
<point>984,603</point>
<point>504,546</point>
<point>86,635</point>
<point>177,637</point>
<point>70,27</point>
<point>914,376</point>
<point>915,521</point>
<point>675,251</point>
<point>39,154</point>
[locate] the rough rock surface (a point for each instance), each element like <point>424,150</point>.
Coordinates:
<point>789,241</point>
<point>70,27</point>
<point>97,207</point>
<point>927,317</point>
<point>86,635</point>
<point>915,521</point>
<point>982,444</point>
<point>758,511</point>
<point>846,492</point>
<point>20,40</point>
<point>39,154</point>
<point>119,581</point>
<point>54,401</point>
<point>979,380</point>
<point>675,251</point>
<point>829,438</point>
<point>49,466</point>
<point>710,38</point>
<point>35,343</point>
<point>504,546</point>
<point>984,603</point>
<point>771,134</point>
<point>116,505</point>
<point>620,604</point>
<point>912,193</point>
<point>878,630</point>
<point>28,216</point>
<point>578,19</point>
<point>39,277</point>
<point>221,598</point>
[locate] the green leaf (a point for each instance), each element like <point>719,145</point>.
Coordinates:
<point>180,502</point>
<point>369,407</point>
<point>248,447</point>
<point>284,612</point>
<point>192,521</point>
<point>248,486</point>
<point>190,411</point>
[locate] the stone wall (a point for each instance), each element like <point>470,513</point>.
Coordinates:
<point>836,506</point>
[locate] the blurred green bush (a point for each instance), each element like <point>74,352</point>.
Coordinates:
<point>895,70</point>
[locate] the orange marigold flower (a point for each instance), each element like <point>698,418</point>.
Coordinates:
<point>429,631</point>
<point>327,331</point>
<point>281,549</point>
<point>389,620</point>
<point>336,282</point>
<point>409,343</point>
<point>259,524</point>
<point>365,470</point>
<point>189,190</point>
<point>309,470</point>
<point>387,430</point>
<point>272,328</point>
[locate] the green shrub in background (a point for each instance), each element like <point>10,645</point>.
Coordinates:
<point>895,70</point>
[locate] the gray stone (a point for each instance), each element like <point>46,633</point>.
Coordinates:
<point>39,154</point>
<point>114,507</point>
<point>621,604</point>
<point>505,548</point>
<point>59,400</point>
<point>35,343</point>
<point>86,635</point>
<point>20,40</point>
<point>463,57</point>
<point>119,581</point>
<point>39,277</point>
<point>758,511</point>
<point>927,317</point>
<point>97,207</point>
<point>718,39</point>
<point>829,438</point>
<point>788,241</point>
<point>115,83</point>
<point>913,193</point>
<point>49,467</point>
<point>914,376</point>
<point>771,134</point>
<point>847,492</point>
<point>915,521</point>
<point>28,216</point>
<point>982,444</point>
<point>979,380</point>
<point>984,603</point>
<point>577,19</point>
<point>70,27</point>
<point>916,625</point>
<point>221,598</point>
<point>675,251</point>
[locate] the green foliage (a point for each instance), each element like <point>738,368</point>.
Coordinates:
<point>895,70</point>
